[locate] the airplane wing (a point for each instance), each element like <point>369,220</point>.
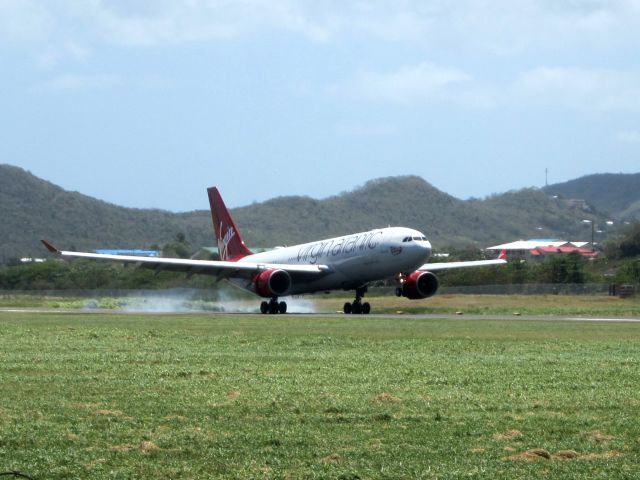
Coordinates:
<point>221,269</point>
<point>432,267</point>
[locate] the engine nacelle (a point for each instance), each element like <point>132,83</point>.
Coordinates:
<point>272,283</point>
<point>420,285</point>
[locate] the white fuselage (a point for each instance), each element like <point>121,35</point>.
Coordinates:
<point>353,260</point>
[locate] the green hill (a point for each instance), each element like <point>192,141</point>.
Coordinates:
<point>411,201</point>
<point>613,194</point>
<point>31,209</point>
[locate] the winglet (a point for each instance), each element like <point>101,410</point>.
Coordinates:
<point>50,247</point>
<point>503,255</point>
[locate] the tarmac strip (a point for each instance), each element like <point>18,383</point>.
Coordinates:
<point>532,318</point>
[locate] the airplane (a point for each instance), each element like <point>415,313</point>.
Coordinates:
<point>349,262</point>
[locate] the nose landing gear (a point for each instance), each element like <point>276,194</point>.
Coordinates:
<point>357,306</point>
<point>272,306</point>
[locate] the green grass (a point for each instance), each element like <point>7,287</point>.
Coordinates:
<point>195,396</point>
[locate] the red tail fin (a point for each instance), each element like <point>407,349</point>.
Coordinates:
<point>230,244</point>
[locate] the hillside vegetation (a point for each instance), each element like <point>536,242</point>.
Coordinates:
<point>31,209</point>
<point>615,194</point>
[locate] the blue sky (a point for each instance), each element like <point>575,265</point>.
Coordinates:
<point>147,103</point>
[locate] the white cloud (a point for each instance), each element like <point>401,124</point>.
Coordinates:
<point>579,88</point>
<point>164,22</point>
<point>424,83</point>
<point>566,88</point>
<point>52,56</point>
<point>24,22</point>
<point>495,25</point>
<point>479,32</point>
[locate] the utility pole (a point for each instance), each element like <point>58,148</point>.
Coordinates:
<point>593,231</point>
<point>546,177</point>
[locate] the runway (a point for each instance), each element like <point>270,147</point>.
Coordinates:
<point>425,316</point>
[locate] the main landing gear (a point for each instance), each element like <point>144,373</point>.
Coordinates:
<point>273,307</point>
<point>357,307</point>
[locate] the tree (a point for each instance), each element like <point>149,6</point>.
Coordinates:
<point>625,245</point>
<point>563,269</point>
<point>629,272</point>
<point>179,248</point>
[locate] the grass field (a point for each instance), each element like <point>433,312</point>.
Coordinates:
<point>233,396</point>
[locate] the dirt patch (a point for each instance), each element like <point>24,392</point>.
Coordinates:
<point>566,454</point>
<point>508,435</point>
<point>94,463</point>
<point>598,436</point>
<point>122,448</point>
<point>387,397</point>
<point>233,394</point>
<point>148,446</point>
<point>333,458</point>
<point>375,444</point>
<point>144,447</point>
<point>532,455</point>
<point>541,453</point>
<point>601,456</point>
<point>112,413</point>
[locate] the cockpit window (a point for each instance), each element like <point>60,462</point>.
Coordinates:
<point>417,239</point>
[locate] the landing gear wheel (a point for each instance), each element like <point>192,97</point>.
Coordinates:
<point>398,292</point>
<point>356,308</point>
<point>273,307</point>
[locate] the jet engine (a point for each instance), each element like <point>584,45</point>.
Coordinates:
<point>272,283</point>
<point>419,285</point>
